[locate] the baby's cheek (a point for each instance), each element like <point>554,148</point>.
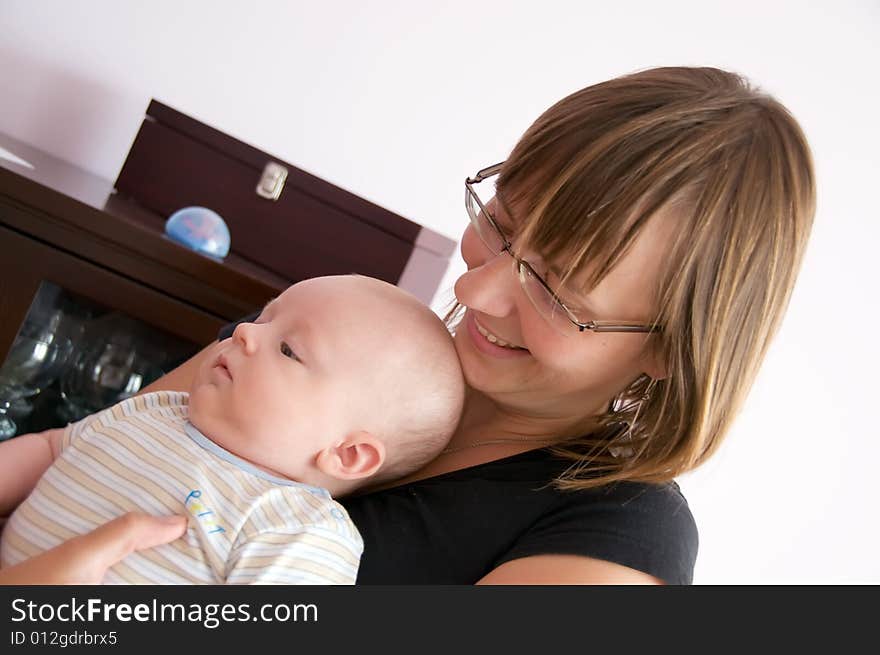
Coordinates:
<point>257,415</point>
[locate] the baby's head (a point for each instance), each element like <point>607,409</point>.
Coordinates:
<point>341,380</point>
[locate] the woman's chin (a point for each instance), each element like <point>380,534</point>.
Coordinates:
<point>486,375</point>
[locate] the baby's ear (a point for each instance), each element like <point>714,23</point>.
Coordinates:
<point>358,455</point>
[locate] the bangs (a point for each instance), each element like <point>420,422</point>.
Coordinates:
<point>578,242</point>
<point>584,194</point>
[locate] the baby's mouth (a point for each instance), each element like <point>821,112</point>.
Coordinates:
<point>223,366</point>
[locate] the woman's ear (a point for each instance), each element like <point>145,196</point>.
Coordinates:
<point>357,456</point>
<point>653,362</point>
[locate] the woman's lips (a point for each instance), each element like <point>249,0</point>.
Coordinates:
<point>487,347</point>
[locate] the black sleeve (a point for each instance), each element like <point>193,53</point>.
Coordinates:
<point>226,331</point>
<point>649,528</point>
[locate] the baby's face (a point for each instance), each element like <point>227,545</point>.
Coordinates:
<point>286,386</point>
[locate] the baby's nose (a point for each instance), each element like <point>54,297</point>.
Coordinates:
<point>245,336</point>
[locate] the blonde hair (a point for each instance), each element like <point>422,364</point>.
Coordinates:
<point>737,168</point>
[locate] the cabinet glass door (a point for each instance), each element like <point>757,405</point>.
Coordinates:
<point>72,357</point>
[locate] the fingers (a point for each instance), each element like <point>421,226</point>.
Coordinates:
<point>130,532</point>
<point>157,530</point>
<point>85,559</point>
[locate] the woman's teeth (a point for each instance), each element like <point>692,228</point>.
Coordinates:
<point>493,339</point>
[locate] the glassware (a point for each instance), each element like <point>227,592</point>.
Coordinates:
<point>111,365</point>
<point>73,357</point>
<point>33,363</point>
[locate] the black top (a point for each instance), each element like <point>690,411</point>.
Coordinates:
<point>456,527</point>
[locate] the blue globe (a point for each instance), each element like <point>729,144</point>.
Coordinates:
<point>200,229</point>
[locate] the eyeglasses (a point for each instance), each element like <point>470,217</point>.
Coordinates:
<point>543,298</point>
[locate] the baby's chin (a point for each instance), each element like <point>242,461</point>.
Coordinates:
<point>201,414</point>
<point>194,402</point>
<point>212,426</point>
<point>196,418</point>
<point>204,398</point>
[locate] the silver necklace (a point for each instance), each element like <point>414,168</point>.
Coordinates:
<point>488,442</point>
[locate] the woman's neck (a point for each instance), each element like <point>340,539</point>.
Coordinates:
<point>489,431</point>
<point>486,418</point>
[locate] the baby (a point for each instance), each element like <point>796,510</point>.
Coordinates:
<point>341,381</point>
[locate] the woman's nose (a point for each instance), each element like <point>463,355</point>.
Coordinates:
<point>489,285</point>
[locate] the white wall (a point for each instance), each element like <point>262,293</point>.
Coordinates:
<point>399,101</point>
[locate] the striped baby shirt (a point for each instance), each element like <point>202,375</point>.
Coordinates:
<point>246,526</point>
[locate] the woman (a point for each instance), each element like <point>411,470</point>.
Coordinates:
<point>625,277</point>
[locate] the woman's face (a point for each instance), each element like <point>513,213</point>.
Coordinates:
<point>547,374</point>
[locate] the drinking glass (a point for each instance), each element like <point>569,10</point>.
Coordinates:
<point>33,363</point>
<point>111,366</point>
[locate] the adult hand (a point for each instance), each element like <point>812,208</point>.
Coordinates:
<point>85,559</point>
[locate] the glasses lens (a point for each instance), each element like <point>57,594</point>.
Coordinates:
<point>486,231</point>
<point>544,301</point>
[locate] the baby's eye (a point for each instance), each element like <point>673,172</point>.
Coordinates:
<point>287,351</point>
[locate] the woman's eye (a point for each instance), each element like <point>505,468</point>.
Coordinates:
<point>287,351</point>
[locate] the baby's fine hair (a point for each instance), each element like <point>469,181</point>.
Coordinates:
<point>423,390</point>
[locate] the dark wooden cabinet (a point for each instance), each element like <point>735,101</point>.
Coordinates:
<point>304,227</point>
<point>63,225</point>
<point>66,229</point>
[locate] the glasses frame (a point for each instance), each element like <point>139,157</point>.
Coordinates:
<point>522,266</point>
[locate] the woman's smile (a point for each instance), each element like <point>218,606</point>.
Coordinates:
<point>488,343</point>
